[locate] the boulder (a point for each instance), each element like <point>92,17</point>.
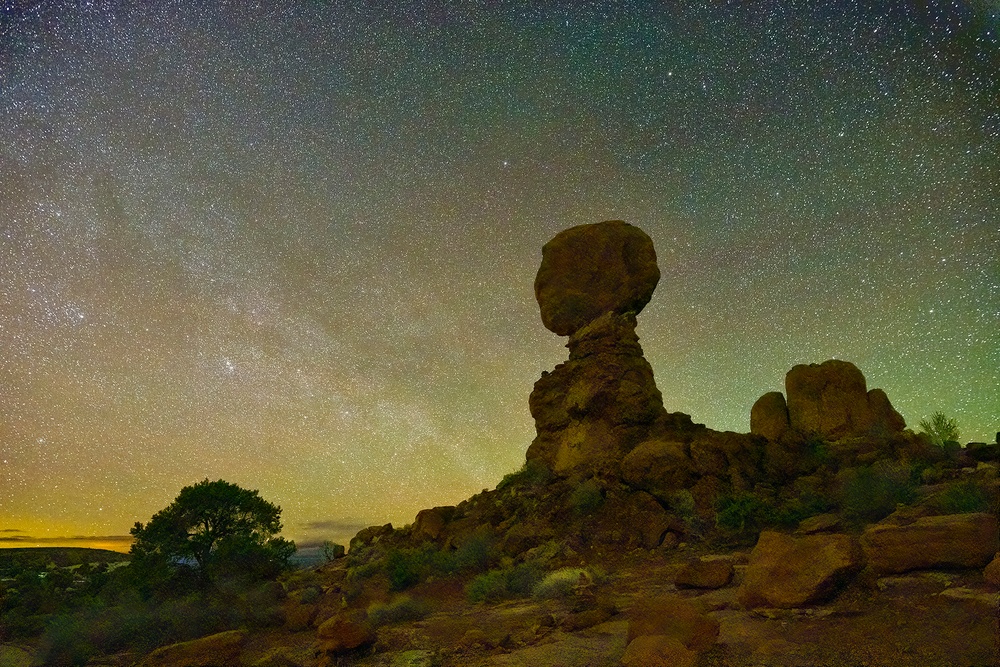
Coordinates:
<point>343,633</point>
<point>430,523</point>
<point>983,451</point>
<point>769,416</point>
<point>951,540</point>
<point>660,467</point>
<point>991,573</point>
<point>658,651</point>
<point>593,269</point>
<point>674,617</point>
<point>370,535</point>
<point>788,572</point>
<point>698,573</point>
<point>218,649</point>
<point>631,520</point>
<point>831,400</point>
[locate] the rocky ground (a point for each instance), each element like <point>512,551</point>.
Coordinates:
<point>920,618</point>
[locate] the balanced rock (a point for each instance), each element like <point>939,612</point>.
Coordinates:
<point>831,400</point>
<point>788,572</point>
<point>951,540</point>
<point>594,269</point>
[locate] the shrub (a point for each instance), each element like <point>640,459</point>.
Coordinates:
<point>398,610</point>
<point>532,473</point>
<point>962,498</point>
<point>940,429</point>
<point>586,497</point>
<point>868,494</point>
<point>517,581</point>
<point>561,582</point>
<point>742,513</point>
<point>475,553</point>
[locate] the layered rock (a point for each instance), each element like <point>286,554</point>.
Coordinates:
<point>952,540</point>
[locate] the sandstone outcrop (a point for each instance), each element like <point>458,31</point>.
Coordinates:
<point>831,400</point>
<point>769,416</point>
<point>590,270</point>
<point>788,572</point>
<point>658,651</point>
<point>951,540</point>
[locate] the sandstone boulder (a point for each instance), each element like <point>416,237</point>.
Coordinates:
<point>674,617</point>
<point>430,523</point>
<point>991,573</point>
<point>660,467</point>
<point>831,400</point>
<point>787,572</point>
<point>658,651</point>
<point>951,540</point>
<point>593,269</point>
<point>343,633</point>
<point>698,573</point>
<point>769,416</point>
<point>218,649</point>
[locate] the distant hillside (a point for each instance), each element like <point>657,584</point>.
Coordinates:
<point>61,556</point>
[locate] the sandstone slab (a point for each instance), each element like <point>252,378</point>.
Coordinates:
<point>951,540</point>
<point>593,269</point>
<point>218,649</point>
<point>787,572</point>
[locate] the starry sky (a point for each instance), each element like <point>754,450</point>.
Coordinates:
<point>292,244</point>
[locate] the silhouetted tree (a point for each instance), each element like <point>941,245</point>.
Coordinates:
<point>217,528</point>
<point>940,428</point>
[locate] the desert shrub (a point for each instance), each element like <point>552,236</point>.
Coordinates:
<point>586,497</point>
<point>512,582</point>
<point>871,493</point>
<point>398,610</point>
<point>561,582</point>
<point>65,642</point>
<point>743,513</point>
<point>962,498</point>
<point>405,567</point>
<point>940,429</point>
<point>475,553</point>
<point>532,473</point>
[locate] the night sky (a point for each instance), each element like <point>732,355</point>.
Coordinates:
<point>292,244</point>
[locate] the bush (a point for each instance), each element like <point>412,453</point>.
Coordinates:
<point>940,429</point>
<point>561,582</point>
<point>518,581</point>
<point>963,498</point>
<point>532,473</point>
<point>742,513</point>
<point>398,610</point>
<point>586,497</point>
<point>868,494</point>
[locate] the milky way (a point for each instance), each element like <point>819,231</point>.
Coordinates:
<point>292,245</point>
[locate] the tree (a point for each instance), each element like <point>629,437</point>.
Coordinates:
<point>216,527</point>
<point>940,429</point>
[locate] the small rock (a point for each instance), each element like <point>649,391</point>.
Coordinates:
<point>658,651</point>
<point>992,571</point>
<point>674,617</point>
<point>340,634</point>
<point>821,523</point>
<point>698,573</point>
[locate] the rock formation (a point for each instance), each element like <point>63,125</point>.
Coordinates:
<point>593,409</point>
<point>829,400</point>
